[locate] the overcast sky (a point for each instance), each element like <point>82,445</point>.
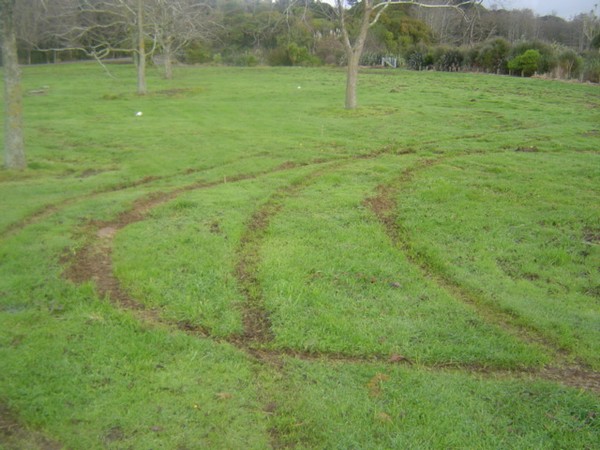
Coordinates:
<point>563,8</point>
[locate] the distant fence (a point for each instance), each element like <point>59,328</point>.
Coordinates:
<point>389,61</point>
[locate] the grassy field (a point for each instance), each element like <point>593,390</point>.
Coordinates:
<point>249,265</point>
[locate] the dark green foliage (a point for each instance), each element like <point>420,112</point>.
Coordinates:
<point>591,67</point>
<point>493,56</point>
<point>548,59</point>
<point>569,63</point>
<point>448,59</point>
<point>292,55</point>
<point>596,42</point>
<point>197,53</point>
<point>526,64</point>
<point>397,30</point>
<point>419,57</point>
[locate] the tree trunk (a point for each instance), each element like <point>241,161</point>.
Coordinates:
<point>14,148</point>
<point>141,62</point>
<point>352,79</point>
<point>354,51</point>
<point>167,53</point>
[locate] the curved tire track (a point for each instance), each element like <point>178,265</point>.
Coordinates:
<point>384,207</point>
<point>93,263</point>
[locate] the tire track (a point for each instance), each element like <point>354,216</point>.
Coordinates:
<point>47,210</point>
<point>384,207</point>
<point>257,323</point>
<point>93,261</point>
<point>14,434</point>
<point>52,208</point>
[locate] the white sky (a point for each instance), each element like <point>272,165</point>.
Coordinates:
<point>563,8</point>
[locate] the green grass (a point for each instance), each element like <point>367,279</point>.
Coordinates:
<point>532,251</point>
<point>369,406</point>
<point>457,317</point>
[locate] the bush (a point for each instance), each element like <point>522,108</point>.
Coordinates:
<point>292,55</point>
<point>245,59</point>
<point>330,50</point>
<point>569,64</point>
<point>548,60</point>
<point>591,67</point>
<point>448,59</point>
<point>527,63</point>
<point>419,57</point>
<point>493,56</point>
<point>300,56</point>
<point>197,53</point>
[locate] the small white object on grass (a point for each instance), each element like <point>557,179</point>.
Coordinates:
<point>139,113</point>
<point>299,87</point>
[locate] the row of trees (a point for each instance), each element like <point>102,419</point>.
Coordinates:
<point>279,32</point>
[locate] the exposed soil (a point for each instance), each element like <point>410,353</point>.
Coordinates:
<point>592,235</point>
<point>15,436</point>
<point>530,149</point>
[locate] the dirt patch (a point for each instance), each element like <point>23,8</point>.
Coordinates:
<point>257,324</point>
<point>178,91</point>
<point>576,377</point>
<point>128,184</point>
<point>286,166</point>
<point>530,149</point>
<point>591,235</point>
<point>90,173</point>
<point>15,436</point>
<point>383,205</point>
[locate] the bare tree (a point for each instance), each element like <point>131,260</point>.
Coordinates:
<point>370,12</point>
<point>99,29</point>
<point>141,49</point>
<point>173,24</point>
<point>14,148</point>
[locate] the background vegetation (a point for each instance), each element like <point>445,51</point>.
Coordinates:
<point>306,33</point>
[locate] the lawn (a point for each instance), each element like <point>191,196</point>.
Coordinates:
<point>249,265</point>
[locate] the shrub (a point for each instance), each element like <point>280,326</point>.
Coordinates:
<point>292,55</point>
<point>419,57</point>
<point>300,56</point>
<point>330,50</point>
<point>591,67</point>
<point>493,56</point>
<point>569,64</point>
<point>197,53</point>
<point>242,59</point>
<point>448,59</point>
<point>548,60</point>
<point>527,63</point>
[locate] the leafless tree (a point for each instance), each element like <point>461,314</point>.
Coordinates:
<point>370,12</point>
<point>14,148</point>
<point>173,24</point>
